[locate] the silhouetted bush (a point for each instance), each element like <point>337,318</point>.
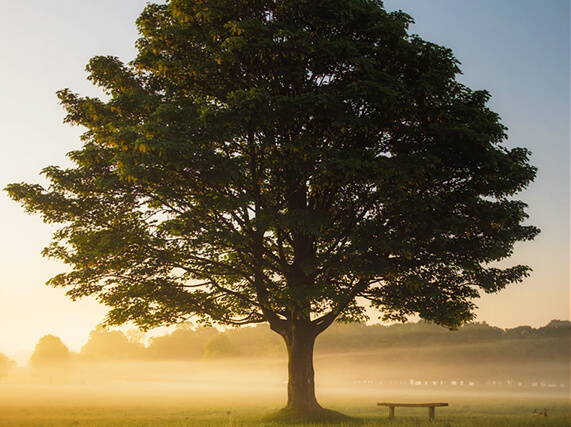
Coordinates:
<point>51,357</point>
<point>220,346</point>
<point>5,365</point>
<point>104,344</point>
<point>257,341</point>
<point>185,342</point>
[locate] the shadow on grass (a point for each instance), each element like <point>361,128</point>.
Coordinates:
<point>321,415</point>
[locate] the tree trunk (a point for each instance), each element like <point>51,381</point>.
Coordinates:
<point>300,340</point>
<point>299,335</point>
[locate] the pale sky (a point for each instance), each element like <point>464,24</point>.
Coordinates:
<point>519,50</point>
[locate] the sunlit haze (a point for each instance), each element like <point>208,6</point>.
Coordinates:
<point>516,49</point>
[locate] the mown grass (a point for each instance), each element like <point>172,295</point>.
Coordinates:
<point>81,417</point>
<point>510,414</point>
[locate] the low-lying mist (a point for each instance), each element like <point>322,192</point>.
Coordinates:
<point>263,381</point>
<point>248,366</point>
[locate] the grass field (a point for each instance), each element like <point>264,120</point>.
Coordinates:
<point>479,416</point>
<point>144,406</point>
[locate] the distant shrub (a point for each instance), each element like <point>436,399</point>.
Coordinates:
<point>185,342</point>
<point>5,365</point>
<point>219,347</point>
<point>104,344</point>
<point>50,352</point>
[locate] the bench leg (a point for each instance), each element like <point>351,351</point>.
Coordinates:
<point>431,413</point>
<point>391,412</point>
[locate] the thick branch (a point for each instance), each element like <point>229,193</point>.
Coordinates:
<point>322,323</point>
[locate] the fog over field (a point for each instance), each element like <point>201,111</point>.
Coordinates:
<point>243,366</point>
<point>258,382</point>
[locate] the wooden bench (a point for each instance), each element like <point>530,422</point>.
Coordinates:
<point>430,407</point>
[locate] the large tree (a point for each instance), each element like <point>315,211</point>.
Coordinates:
<point>283,161</point>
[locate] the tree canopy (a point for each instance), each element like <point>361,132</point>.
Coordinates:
<point>287,155</point>
<point>279,161</point>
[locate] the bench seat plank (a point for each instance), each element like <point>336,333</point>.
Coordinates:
<point>430,407</point>
<point>413,405</point>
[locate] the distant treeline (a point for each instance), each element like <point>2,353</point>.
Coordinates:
<point>476,353</point>
<point>420,352</point>
<point>474,341</point>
